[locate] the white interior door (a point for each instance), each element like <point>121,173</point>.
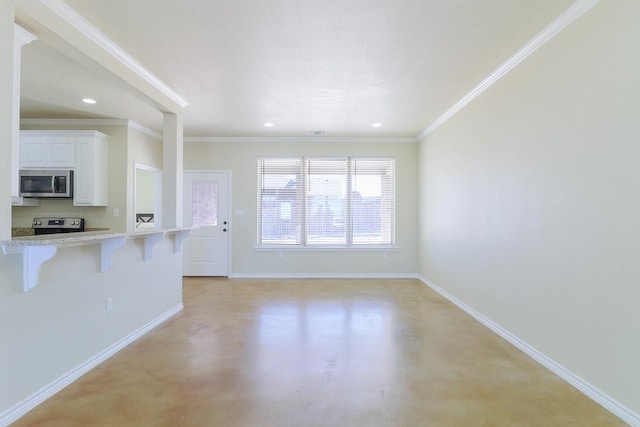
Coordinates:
<point>206,205</point>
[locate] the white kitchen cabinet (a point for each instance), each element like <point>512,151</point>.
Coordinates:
<point>90,172</point>
<point>46,150</point>
<point>84,151</point>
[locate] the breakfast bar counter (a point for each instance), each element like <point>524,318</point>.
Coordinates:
<point>36,250</point>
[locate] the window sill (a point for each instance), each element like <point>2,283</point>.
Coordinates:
<point>292,248</point>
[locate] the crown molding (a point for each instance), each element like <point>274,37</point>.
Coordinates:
<point>560,23</point>
<point>92,122</point>
<point>75,122</point>
<point>209,139</point>
<point>71,17</point>
<point>22,36</point>
<point>294,139</point>
<point>145,130</point>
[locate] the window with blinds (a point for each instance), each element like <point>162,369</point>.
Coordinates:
<point>320,201</point>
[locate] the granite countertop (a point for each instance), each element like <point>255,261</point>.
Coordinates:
<point>60,239</point>
<point>21,231</point>
<point>28,231</point>
<point>69,239</point>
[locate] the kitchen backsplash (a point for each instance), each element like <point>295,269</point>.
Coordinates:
<point>21,231</point>
<point>93,216</point>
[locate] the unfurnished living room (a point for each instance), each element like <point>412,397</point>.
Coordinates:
<point>337,213</point>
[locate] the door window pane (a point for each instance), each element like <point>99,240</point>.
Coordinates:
<point>204,202</point>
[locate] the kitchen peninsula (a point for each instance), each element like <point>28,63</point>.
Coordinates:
<point>36,250</point>
<point>73,300</point>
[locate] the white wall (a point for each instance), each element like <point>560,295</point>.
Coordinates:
<point>62,323</point>
<point>6,117</point>
<point>146,150</point>
<point>530,201</point>
<point>143,148</point>
<point>241,159</point>
<point>145,191</point>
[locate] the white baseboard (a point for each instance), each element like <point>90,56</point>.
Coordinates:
<point>323,276</point>
<point>14,413</point>
<point>612,405</point>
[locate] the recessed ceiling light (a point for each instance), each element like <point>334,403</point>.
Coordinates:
<point>89,101</point>
<point>376,125</point>
<point>268,125</point>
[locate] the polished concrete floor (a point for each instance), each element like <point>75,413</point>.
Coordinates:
<point>318,353</point>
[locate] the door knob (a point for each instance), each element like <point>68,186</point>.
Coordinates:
<point>224,229</point>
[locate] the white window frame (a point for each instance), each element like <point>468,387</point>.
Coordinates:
<point>301,197</point>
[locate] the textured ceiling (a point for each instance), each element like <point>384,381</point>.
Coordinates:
<point>335,65</point>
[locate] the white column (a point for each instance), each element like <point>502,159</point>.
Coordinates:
<point>6,114</point>
<point>172,171</point>
<point>21,38</point>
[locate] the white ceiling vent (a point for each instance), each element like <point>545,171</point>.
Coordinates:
<point>317,132</point>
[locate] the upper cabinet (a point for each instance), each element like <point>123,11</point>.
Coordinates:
<point>90,172</point>
<point>42,150</point>
<point>85,152</point>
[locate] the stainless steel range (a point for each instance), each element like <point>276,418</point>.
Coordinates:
<point>57,225</point>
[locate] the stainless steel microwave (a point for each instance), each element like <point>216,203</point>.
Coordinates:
<point>54,183</point>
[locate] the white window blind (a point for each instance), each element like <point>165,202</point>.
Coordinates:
<point>279,201</point>
<point>332,202</point>
<point>373,201</point>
